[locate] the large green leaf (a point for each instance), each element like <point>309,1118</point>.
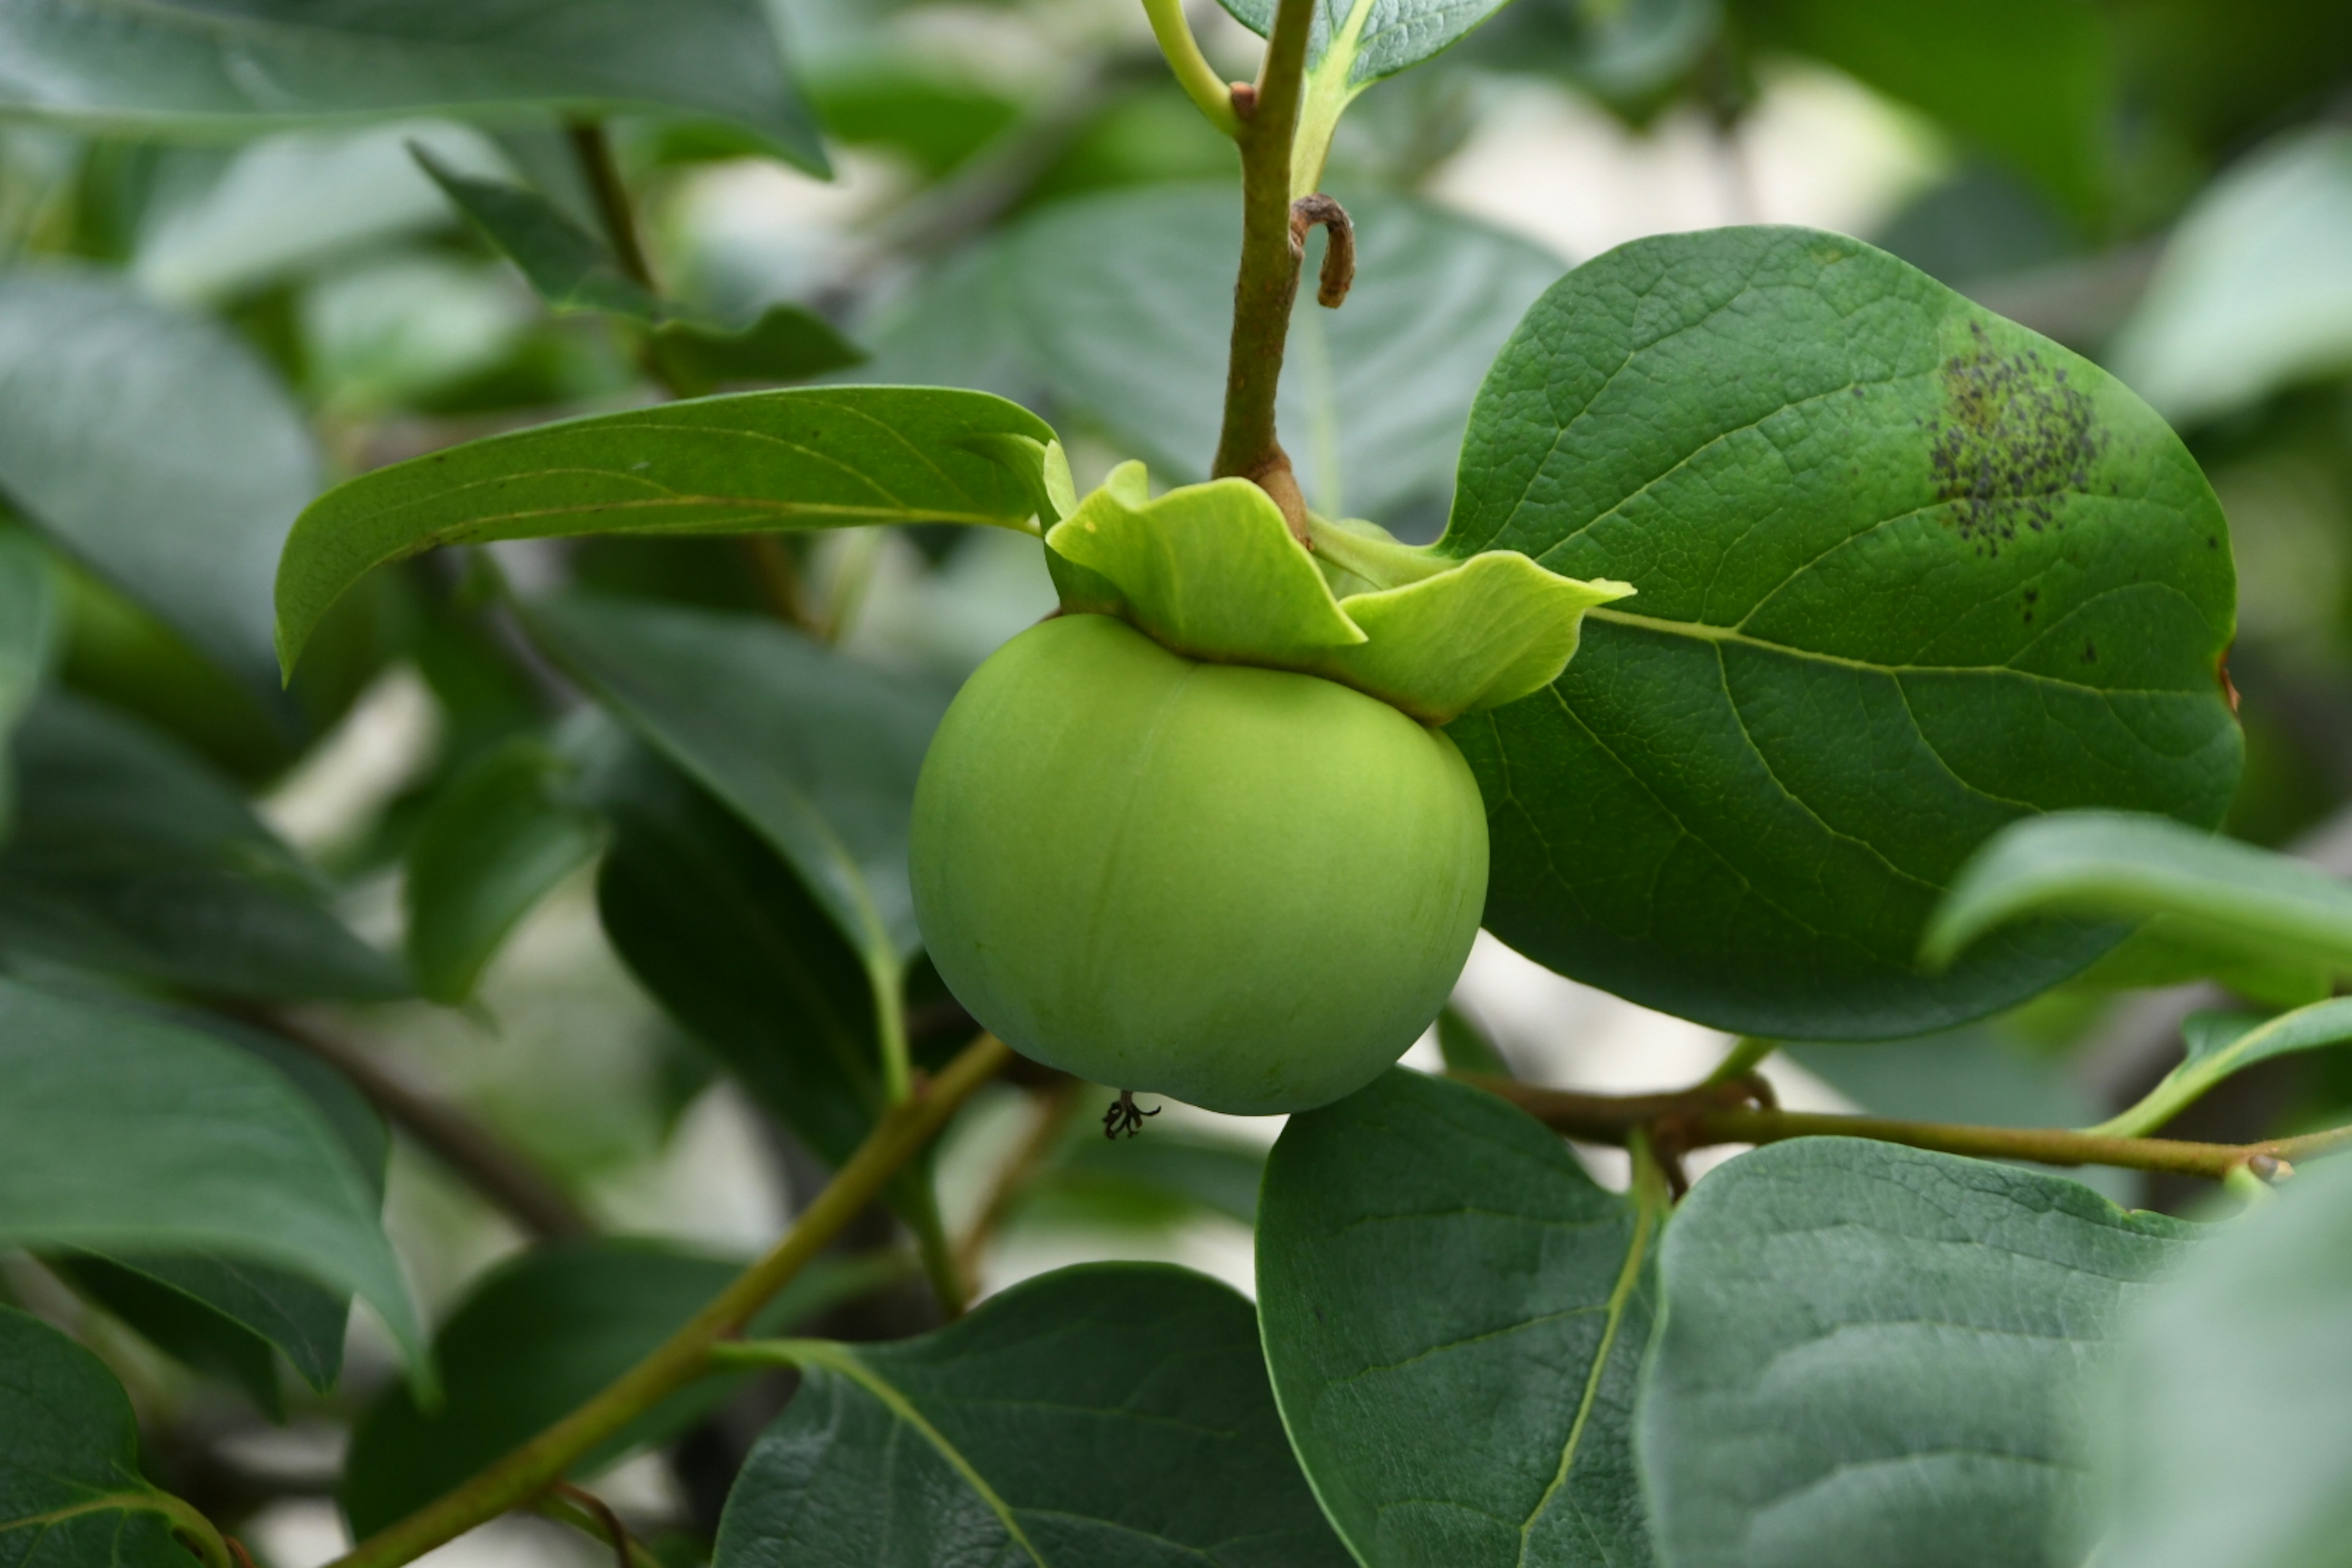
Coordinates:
<point>152,446</point>
<point>2230,1422</point>
<point>2031,81</point>
<point>1906,572</point>
<point>1374,393</point>
<point>124,1132</point>
<point>131,855</point>
<point>1454,1315</point>
<point>1379,37</point>
<point>28,627</point>
<point>1873,1355</point>
<point>216,65</point>
<point>817,752</point>
<point>71,1495</point>
<point>2227,896</point>
<point>499,838</point>
<point>2248,298</point>
<point>1115,1413</point>
<point>807,457</point>
<point>541,1334</point>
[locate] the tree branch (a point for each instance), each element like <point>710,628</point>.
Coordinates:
<point>1726,1113</point>
<point>526,1474</point>
<point>1268,282</point>
<point>509,1180</point>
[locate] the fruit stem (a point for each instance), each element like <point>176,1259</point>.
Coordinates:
<point>1267,281</point>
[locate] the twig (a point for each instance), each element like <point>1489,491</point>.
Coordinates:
<point>1714,1113</point>
<point>1340,251</point>
<point>1268,282</point>
<point>614,1533</point>
<point>1054,1107</point>
<point>593,150</point>
<point>498,1172</point>
<point>904,1129</point>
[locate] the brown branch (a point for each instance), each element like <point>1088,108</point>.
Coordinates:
<point>593,150</point>
<point>1268,282</point>
<point>1055,1104</point>
<point>615,1534</point>
<point>1727,1113</point>
<point>498,1173</point>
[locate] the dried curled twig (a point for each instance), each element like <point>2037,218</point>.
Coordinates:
<point>1338,255</point>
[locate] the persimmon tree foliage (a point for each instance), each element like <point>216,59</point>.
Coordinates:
<point>1809,652</point>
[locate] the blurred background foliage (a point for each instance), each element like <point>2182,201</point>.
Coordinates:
<point>209,311</point>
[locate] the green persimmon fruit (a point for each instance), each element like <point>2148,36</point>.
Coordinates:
<point>1243,888</point>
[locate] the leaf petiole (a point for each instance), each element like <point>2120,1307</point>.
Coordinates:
<point>1209,92</point>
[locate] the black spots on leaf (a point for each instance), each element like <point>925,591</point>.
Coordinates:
<point>2012,437</point>
<point>2212,541</point>
<point>2090,652</point>
<point>2033,597</point>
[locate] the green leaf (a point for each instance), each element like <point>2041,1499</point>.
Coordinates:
<point>1628,55</point>
<point>1374,394</point>
<point>2221,1044</point>
<point>132,856</point>
<point>499,839</point>
<point>1907,573</point>
<point>572,270</point>
<point>807,457</point>
<point>1466,1046</point>
<point>1377,38</point>
<point>815,751</point>
<point>1454,1315</point>
<point>2228,1425</point>
<point>2031,82</point>
<point>542,1333</point>
<point>125,1133</point>
<point>2247,299</point>
<point>1873,1354</point>
<point>714,923</point>
<point>71,1494</point>
<point>185,66</point>
<point>1113,1412</point>
<point>153,447</point>
<point>29,595</point>
<point>1165,1177</point>
<point>2228,896</point>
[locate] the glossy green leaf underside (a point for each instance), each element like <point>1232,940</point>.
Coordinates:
<point>124,1132</point>
<point>815,751</point>
<point>1111,1413</point>
<point>71,1495</point>
<point>751,462</point>
<point>154,446</point>
<point>535,1339</point>
<point>1373,395</point>
<point>2248,1338</point>
<point>1390,34</point>
<point>28,628</point>
<point>2231,896</point>
<point>1907,573</point>
<point>2222,1043</point>
<point>201,64</point>
<point>1873,1355</point>
<point>133,857</point>
<point>503,833</point>
<point>1454,1315</point>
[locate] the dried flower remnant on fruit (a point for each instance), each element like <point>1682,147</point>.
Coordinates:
<point>2017,436</point>
<point>1125,1116</point>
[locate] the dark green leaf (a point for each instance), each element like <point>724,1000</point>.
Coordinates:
<point>190,65</point>
<point>2248,298</point>
<point>1374,393</point>
<point>71,1495</point>
<point>541,1333</point>
<point>1380,37</point>
<point>2229,1425</point>
<point>784,343</point>
<point>2231,897</point>
<point>126,1133</point>
<point>1110,1414</point>
<point>1466,1046</point>
<point>713,922</point>
<point>1629,54</point>
<point>503,833</point>
<point>1906,572</point>
<point>809,457</point>
<point>2220,1044</point>
<point>28,627</point>
<point>1455,1316</point>
<point>2030,81</point>
<point>1167,1176</point>
<point>817,750</point>
<point>133,857</point>
<point>1873,1355</point>
<point>223,1316</point>
<point>152,446</point>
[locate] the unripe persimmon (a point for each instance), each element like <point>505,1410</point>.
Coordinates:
<point>1245,888</point>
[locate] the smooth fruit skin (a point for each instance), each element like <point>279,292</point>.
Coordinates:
<point>1242,888</point>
